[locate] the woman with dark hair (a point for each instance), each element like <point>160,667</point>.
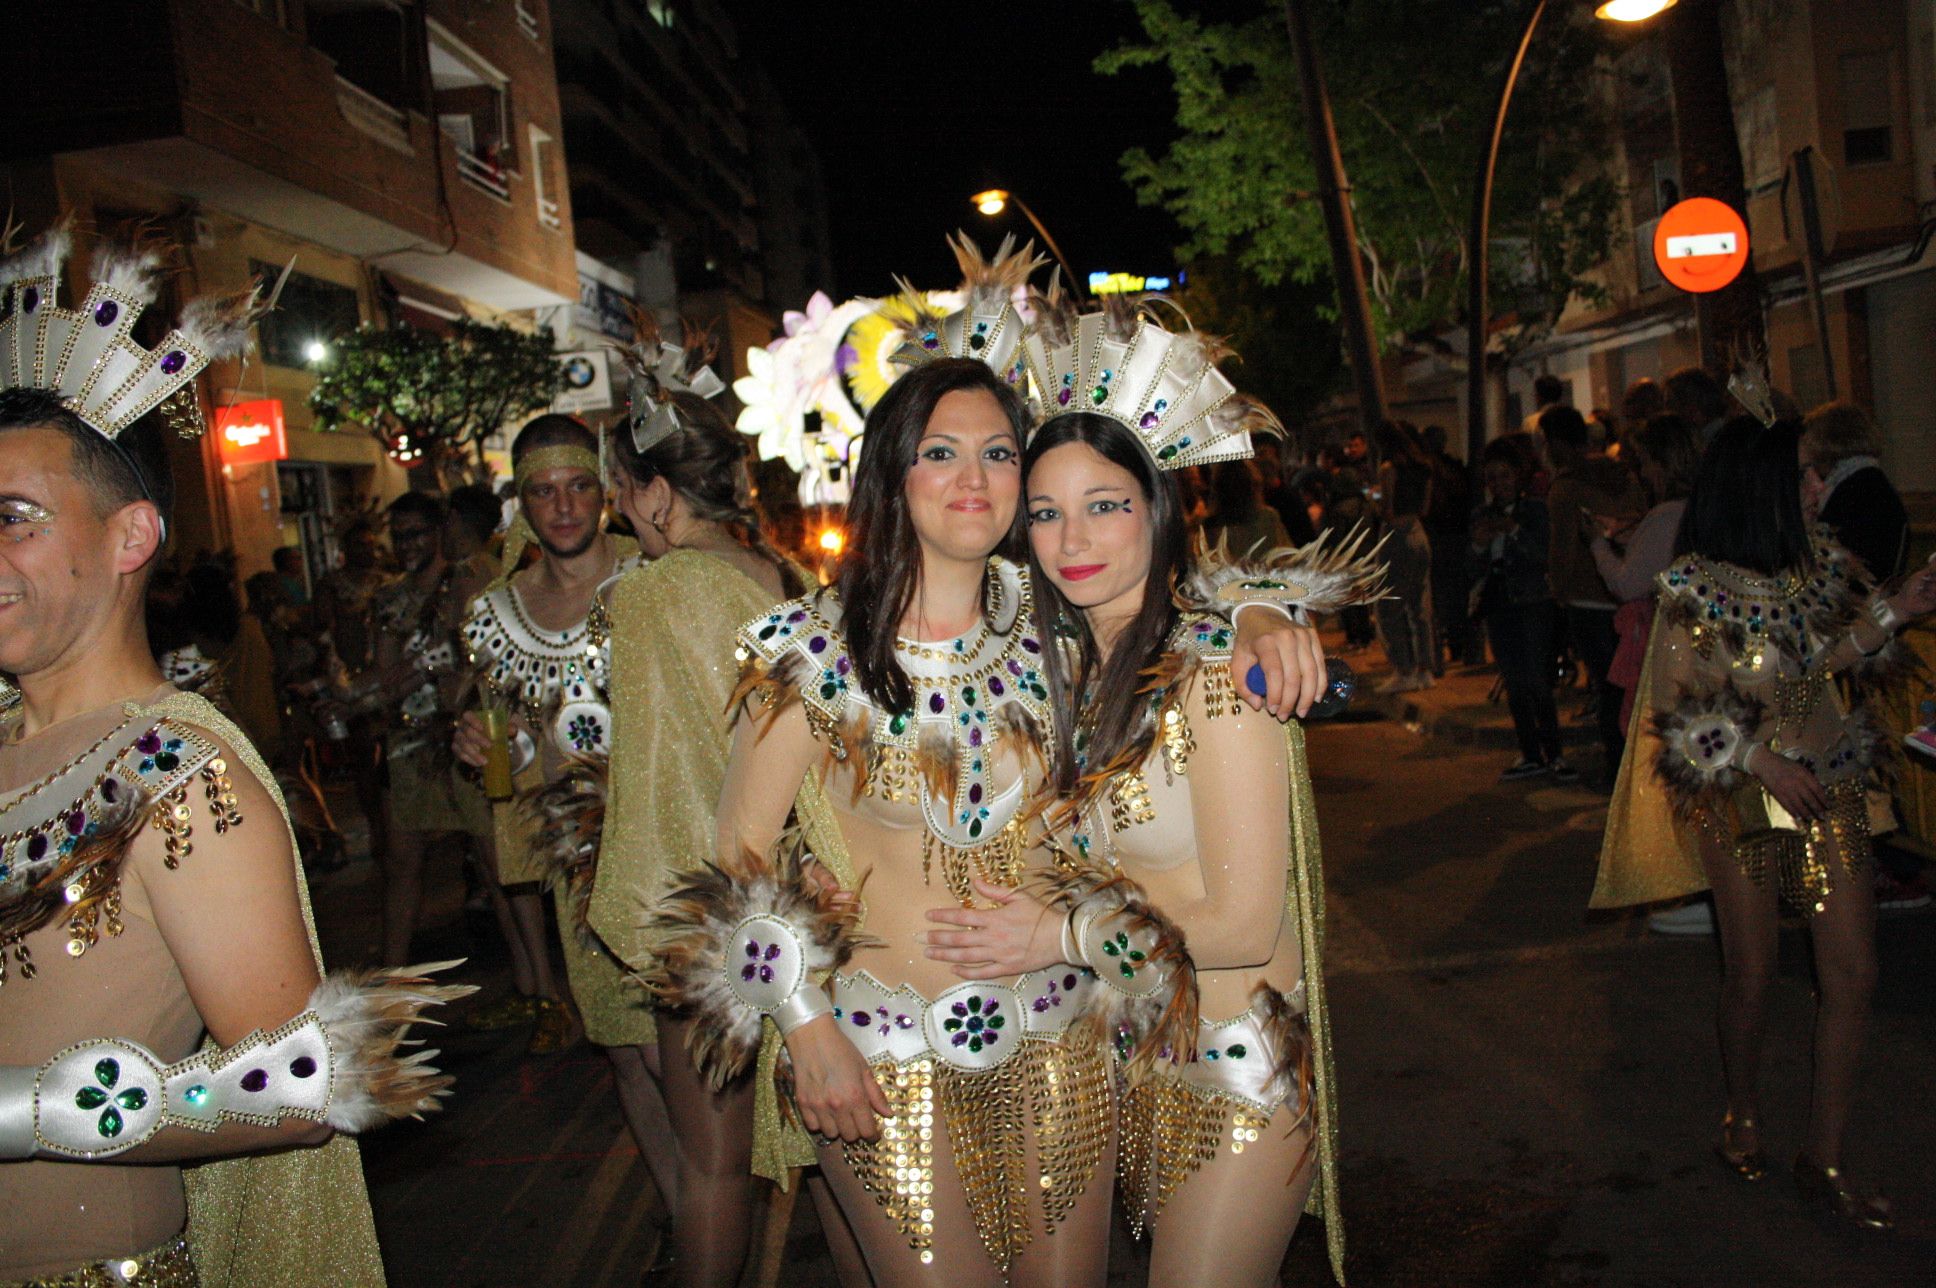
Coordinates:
<point>1765,771</point>
<point>1403,495</point>
<point>1189,825</point>
<point>1507,561</point>
<point>902,719</point>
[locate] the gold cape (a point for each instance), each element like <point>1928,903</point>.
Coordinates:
<point>298,1217</point>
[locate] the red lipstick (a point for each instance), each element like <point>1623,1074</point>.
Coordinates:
<point>1080,572</point>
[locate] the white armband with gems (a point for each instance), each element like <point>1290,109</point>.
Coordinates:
<point>1122,950</point>
<point>766,969</point>
<point>337,1063</point>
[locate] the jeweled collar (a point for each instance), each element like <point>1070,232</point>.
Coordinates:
<point>961,686</point>
<point>541,670</point>
<point>1800,613</point>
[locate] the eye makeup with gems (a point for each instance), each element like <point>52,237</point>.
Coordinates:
<point>939,449</point>
<point>21,519</point>
<point>1099,507</point>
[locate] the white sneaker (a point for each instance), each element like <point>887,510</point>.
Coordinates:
<point>1393,684</point>
<point>1690,919</point>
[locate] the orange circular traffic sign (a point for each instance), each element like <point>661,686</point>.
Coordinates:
<point>1701,244</point>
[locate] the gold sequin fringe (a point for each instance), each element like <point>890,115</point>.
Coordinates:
<point>172,816</point>
<point>998,862</point>
<point>169,1266</point>
<point>1170,1129</point>
<point>1060,1093</point>
<point>891,774</point>
<point>1804,877</point>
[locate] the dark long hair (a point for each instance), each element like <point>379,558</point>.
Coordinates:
<point>1745,508</point>
<point>1117,679</point>
<point>704,461</point>
<point>881,566</point>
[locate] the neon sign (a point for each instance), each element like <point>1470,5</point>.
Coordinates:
<point>1129,283</point>
<point>252,433</point>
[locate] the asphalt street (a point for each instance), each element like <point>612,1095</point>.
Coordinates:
<point>1528,1092</point>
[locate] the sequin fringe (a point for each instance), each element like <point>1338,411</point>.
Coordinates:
<point>999,862</point>
<point>1803,875</point>
<point>1061,1093</point>
<point>1170,1129</point>
<point>169,1266</point>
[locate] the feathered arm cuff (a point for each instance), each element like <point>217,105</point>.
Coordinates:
<point>1149,1004</point>
<point>737,947</point>
<point>1303,580</point>
<point>338,1062</point>
<point>1705,742</point>
<point>569,818</point>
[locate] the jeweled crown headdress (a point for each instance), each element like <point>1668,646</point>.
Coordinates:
<point>661,369</point>
<point>1116,361</point>
<point>89,355</point>
<point>987,326</point>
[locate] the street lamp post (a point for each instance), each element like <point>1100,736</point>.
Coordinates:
<point>996,200</point>
<point>1479,232</point>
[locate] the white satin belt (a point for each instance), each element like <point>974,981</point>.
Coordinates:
<point>974,1026</point>
<point>1239,1058</point>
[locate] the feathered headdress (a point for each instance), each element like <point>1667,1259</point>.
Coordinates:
<point>1116,361</point>
<point>987,326</point>
<point>89,355</point>
<point>661,369</point>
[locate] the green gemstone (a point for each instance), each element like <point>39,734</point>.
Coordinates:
<point>828,690</point>
<point>110,1124</point>
<point>974,828</point>
<point>1235,1050</point>
<point>974,1003</point>
<point>974,1044</point>
<point>1166,453</point>
<point>198,1094</point>
<point>997,1022</point>
<point>1109,947</point>
<point>107,1071</point>
<point>951,1025</point>
<point>132,1099</point>
<point>1135,955</point>
<point>166,760</point>
<point>1129,972</point>
<point>968,696</point>
<point>899,723</point>
<point>1097,394</point>
<point>90,1097</point>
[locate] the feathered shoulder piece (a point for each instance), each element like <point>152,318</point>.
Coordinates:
<point>1802,612</point>
<point>1320,577</point>
<point>798,652</point>
<point>697,922</point>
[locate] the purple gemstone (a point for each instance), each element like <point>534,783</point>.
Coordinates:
<point>766,974</point>
<point>974,790</point>
<point>936,704</point>
<point>959,1008</point>
<point>990,1006</point>
<point>995,685</point>
<point>255,1080</point>
<point>818,644</point>
<point>1029,645</point>
<point>30,299</point>
<point>904,1021</point>
<point>105,312</point>
<point>1068,981</point>
<point>990,1036</point>
<point>36,847</point>
<point>173,361</point>
<point>974,736</point>
<point>1014,667</point>
<point>110,790</point>
<point>772,951</point>
<point>1062,398</point>
<point>302,1067</point>
<point>1149,420</point>
<point>797,615</point>
<point>752,948</point>
<point>148,743</point>
<point>746,971</point>
<point>862,1019</point>
<point>1041,1004</point>
<point>842,665</point>
<point>961,1039</point>
<point>76,822</point>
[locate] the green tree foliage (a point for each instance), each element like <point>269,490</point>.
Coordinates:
<point>412,389</point>
<point>1413,85</point>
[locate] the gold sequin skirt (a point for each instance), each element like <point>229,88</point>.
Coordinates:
<point>169,1266</point>
<point>1173,1123</point>
<point>1028,1114</point>
<point>1765,842</point>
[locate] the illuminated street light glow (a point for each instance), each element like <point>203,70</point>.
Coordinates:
<point>992,202</point>
<point>833,541</point>
<point>1632,10</point>
<point>315,351</point>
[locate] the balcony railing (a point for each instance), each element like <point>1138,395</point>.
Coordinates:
<point>1646,272</point>
<point>527,21</point>
<point>548,213</point>
<point>479,173</point>
<point>371,115</point>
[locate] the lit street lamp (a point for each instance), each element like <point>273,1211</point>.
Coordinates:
<point>996,200</point>
<point>1477,308</point>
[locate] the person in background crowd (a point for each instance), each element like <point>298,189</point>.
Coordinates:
<point>288,564</point>
<point>234,642</point>
<point>343,613</point>
<point>1665,454</point>
<point>1843,486</point>
<point>1349,504</point>
<point>1641,403</point>
<point>1238,518</point>
<point>1507,557</point>
<point>1699,399</point>
<point>1281,494</point>
<point>1588,492</point>
<point>1400,500</point>
<point>1446,517</point>
<point>1548,391</point>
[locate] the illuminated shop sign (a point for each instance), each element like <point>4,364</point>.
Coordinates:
<point>1129,283</point>
<point>252,433</point>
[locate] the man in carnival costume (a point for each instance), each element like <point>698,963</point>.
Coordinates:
<point>163,1005</point>
<point>536,639</point>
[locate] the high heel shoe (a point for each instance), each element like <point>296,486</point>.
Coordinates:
<point>1827,1191</point>
<point>1747,1164</point>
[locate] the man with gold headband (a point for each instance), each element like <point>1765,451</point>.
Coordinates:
<point>163,996</point>
<point>537,641</point>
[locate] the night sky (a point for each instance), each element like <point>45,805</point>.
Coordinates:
<point>913,107</point>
